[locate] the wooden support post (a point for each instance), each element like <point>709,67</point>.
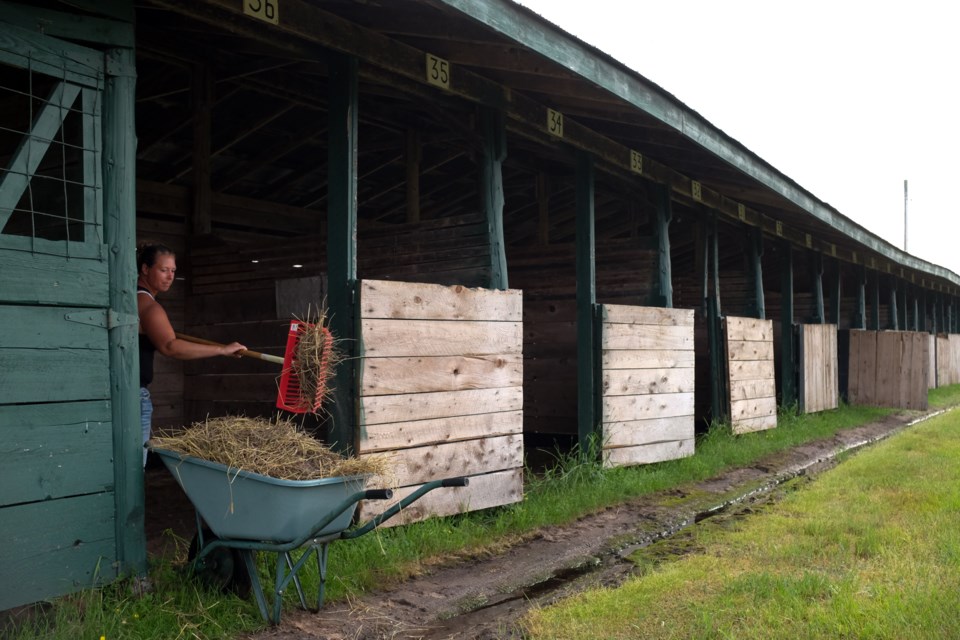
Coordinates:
<point>788,365</point>
<point>860,313</point>
<point>663,288</point>
<point>202,93</point>
<point>817,282</point>
<point>757,304</point>
<point>718,365</point>
<point>587,415</point>
<point>875,303</point>
<point>543,209</point>
<point>921,302</point>
<point>491,191</point>
<point>835,293</point>
<point>413,156</point>
<point>904,317</point>
<point>894,321</point>
<point>342,244</point>
<point>119,160</point>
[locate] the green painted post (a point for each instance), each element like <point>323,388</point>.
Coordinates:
<point>757,304</point>
<point>904,317</point>
<point>491,191</point>
<point>718,367</point>
<point>788,366</point>
<point>119,161</point>
<point>664,285</point>
<point>918,319</point>
<point>835,300</point>
<point>587,415</point>
<point>342,244</point>
<point>894,320</point>
<point>875,303</point>
<point>860,314</point>
<point>818,307</point>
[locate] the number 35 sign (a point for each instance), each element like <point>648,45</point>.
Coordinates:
<point>266,10</point>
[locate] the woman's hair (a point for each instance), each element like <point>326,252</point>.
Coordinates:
<point>147,254</point>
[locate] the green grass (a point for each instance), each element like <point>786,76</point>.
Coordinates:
<point>869,550</point>
<point>572,488</point>
<point>944,397</point>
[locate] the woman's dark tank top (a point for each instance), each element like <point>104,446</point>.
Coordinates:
<point>146,351</point>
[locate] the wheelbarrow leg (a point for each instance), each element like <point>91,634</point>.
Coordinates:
<point>322,571</point>
<point>296,579</point>
<point>247,556</point>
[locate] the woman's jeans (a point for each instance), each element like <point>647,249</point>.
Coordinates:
<point>146,415</point>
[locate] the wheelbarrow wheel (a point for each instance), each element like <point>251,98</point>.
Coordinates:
<point>222,568</point>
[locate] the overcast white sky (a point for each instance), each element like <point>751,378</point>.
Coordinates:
<point>846,97</point>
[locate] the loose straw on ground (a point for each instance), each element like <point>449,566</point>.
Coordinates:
<point>275,448</point>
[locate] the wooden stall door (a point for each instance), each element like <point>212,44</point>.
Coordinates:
<point>819,390</point>
<point>647,366</point>
<point>751,371</point>
<point>888,369</point>
<point>441,392</point>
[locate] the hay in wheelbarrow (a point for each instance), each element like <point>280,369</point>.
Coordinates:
<point>275,448</point>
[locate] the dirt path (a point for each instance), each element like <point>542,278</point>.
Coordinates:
<point>484,598</point>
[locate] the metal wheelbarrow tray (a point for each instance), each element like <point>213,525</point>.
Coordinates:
<point>248,512</point>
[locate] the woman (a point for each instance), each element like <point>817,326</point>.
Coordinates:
<point>156,267</point>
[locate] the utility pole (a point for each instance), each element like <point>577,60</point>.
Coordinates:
<point>904,215</point>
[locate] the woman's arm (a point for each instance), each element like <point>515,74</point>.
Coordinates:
<point>156,325</point>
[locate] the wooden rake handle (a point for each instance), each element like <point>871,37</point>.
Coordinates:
<point>245,352</point>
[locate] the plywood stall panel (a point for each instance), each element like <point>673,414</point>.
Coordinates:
<point>440,391</point>
<point>648,384</point>
<point>819,390</point>
<point>888,369</point>
<point>751,374</point>
<point>932,362</point>
<point>947,359</point>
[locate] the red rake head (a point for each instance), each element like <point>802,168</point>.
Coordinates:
<point>294,395</point>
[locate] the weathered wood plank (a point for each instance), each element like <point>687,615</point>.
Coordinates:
<point>749,389</point>
<point>465,458</point>
<point>748,329</point>
<point>819,368</point>
<point>440,404</point>
<point>54,450</point>
<point>931,361</point>
<point>485,491</point>
<point>647,453</point>
<point>663,405</point>
<point>647,359</point>
<point>749,350</point>
<point>639,432</point>
<point>414,301</point>
<point>48,328</point>
<point>751,370</point>
<point>741,410</point>
<point>625,336</point>
<point>626,382</point>
<point>657,316</point>
<point>755,424</point>
<point>398,435</point>
<point>383,338</point>
<point>384,376</point>
<point>889,363</point>
<point>55,547</point>
<point>37,375</point>
<point>35,278</point>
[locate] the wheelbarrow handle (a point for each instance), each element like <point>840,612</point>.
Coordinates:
<point>378,494</point>
<point>375,522</point>
<point>462,481</point>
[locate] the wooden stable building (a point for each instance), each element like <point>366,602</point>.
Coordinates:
<point>519,241</point>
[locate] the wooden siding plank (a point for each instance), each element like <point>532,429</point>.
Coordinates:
<point>485,491</point>
<point>42,279</point>
<point>647,359</point>
<point>867,361</point>
<point>750,425</point>
<point>55,450</point>
<point>749,329</point>
<point>663,405</point>
<point>37,375</point>
<point>657,316</point>
<point>931,361</point>
<point>748,389</point>
<point>383,338</point>
<point>749,350</point>
<point>639,432</point>
<point>754,408</point>
<point>415,301</point>
<point>625,382</point>
<point>48,328</point>
<point>440,404</point>
<point>889,363</point>
<point>470,457</point>
<point>819,368</point>
<point>399,435</point>
<point>384,376</point>
<point>648,453</point>
<point>624,336</point>
<point>751,370</point>
<point>56,547</point>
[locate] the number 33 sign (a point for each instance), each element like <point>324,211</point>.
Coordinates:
<point>266,10</point>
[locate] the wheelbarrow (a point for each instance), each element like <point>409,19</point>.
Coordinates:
<point>239,512</point>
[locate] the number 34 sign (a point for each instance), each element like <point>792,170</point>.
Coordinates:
<point>266,10</point>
